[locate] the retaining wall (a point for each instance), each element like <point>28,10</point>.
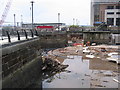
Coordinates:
<point>14,60</point>
<point>21,62</point>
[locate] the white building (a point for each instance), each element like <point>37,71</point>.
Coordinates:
<point>112,17</point>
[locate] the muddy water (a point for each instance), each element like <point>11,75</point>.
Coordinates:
<point>84,73</point>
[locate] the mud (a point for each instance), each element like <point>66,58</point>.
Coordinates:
<point>83,72</point>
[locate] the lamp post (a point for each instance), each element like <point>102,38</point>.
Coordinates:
<point>32,13</point>
<point>58,21</point>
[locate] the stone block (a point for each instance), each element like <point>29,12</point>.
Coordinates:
<point>5,73</point>
<point>13,68</point>
<point>5,67</point>
<point>13,62</point>
<point>6,58</point>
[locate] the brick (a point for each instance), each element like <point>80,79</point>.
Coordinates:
<point>4,67</point>
<point>20,64</point>
<point>31,57</point>
<point>14,55</point>
<point>5,73</point>
<point>5,59</point>
<point>13,68</point>
<point>23,51</point>
<point>25,61</point>
<point>13,62</point>
<point>24,56</point>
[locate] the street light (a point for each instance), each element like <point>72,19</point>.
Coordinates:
<point>58,21</point>
<point>32,12</point>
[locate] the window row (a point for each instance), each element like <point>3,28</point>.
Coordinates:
<point>113,7</point>
<point>110,21</point>
<point>113,12</point>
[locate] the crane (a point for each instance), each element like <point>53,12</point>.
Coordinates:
<point>4,15</point>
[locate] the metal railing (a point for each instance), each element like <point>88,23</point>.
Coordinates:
<point>6,34</point>
<point>26,33</point>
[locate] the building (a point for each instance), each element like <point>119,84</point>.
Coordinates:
<point>107,11</point>
<point>35,25</point>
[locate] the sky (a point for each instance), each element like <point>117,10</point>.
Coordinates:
<point>46,11</point>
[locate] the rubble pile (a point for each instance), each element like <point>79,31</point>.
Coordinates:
<point>52,65</point>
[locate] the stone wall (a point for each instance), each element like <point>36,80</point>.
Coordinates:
<point>53,41</point>
<point>21,62</point>
<point>15,58</point>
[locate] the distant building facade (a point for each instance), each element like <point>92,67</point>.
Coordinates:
<point>105,11</point>
<point>43,26</point>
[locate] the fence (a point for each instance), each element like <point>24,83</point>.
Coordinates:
<point>18,34</point>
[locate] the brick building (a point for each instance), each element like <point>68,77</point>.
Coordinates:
<point>105,11</point>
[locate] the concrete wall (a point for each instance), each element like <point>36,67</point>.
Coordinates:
<point>115,39</point>
<point>97,37</point>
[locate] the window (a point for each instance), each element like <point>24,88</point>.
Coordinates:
<point>118,21</point>
<point>117,12</point>
<point>110,12</point>
<point>110,7</point>
<point>96,17</point>
<point>117,7</point>
<point>110,21</point>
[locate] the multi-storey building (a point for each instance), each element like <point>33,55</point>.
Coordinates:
<point>105,11</point>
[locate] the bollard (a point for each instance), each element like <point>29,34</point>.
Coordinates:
<point>32,35</point>
<point>18,35</point>
<point>26,34</point>
<point>9,40</point>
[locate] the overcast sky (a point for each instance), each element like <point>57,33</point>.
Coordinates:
<point>47,11</point>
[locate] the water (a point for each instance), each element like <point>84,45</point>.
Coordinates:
<point>84,74</point>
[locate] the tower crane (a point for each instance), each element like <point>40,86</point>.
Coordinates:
<point>4,15</point>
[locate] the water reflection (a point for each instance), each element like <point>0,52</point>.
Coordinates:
<point>84,74</point>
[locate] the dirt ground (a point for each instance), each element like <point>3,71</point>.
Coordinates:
<point>103,74</point>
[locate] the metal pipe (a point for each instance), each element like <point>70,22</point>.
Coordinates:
<point>26,34</point>
<point>32,14</point>
<point>9,40</point>
<point>32,35</point>
<point>18,35</point>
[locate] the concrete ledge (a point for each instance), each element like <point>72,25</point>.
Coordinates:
<point>17,47</point>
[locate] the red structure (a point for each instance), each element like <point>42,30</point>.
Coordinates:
<point>4,15</point>
<point>45,27</point>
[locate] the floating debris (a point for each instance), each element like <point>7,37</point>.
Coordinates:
<point>90,56</point>
<point>116,80</point>
<point>99,86</point>
<point>105,81</point>
<point>87,75</point>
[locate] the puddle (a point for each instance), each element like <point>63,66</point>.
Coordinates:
<point>84,74</point>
